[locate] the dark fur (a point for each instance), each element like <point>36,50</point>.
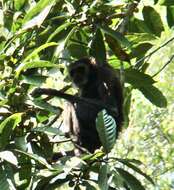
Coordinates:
<point>102,84</point>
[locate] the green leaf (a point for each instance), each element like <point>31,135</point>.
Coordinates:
<point>19,4</point>
<point>153,20</point>
<point>102,178</point>
<point>4,181</point>
<point>166,2</point>
<point>137,78</point>
<point>7,126</point>
<point>154,95</point>
<point>39,49</point>
<point>98,49</point>
<point>48,130</point>
<point>139,38</point>
<point>37,80</point>
<point>37,9</point>
<point>9,157</point>
<point>170,15</point>
<point>117,49</point>
<point>136,169</point>
<point>37,20</point>
<point>130,180</point>
<point>117,36</point>
<point>106,128</point>
<point>37,158</point>
<point>77,50</point>
<point>58,30</point>
<point>46,106</point>
<point>34,64</point>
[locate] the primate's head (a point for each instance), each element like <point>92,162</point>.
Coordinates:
<point>80,71</point>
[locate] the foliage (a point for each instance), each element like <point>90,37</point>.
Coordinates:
<point>38,39</point>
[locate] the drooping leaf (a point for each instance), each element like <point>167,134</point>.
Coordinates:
<point>39,49</point>
<point>98,49</point>
<point>58,30</point>
<point>153,20</point>
<point>120,38</point>
<point>170,15</point>
<point>37,158</point>
<point>106,128</point>
<point>131,181</point>
<point>154,95</point>
<point>77,50</point>
<point>102,178</point>
<point>136,169</point>
<point>7,127</point>
<point>117,49</point>
<point>137,78</point>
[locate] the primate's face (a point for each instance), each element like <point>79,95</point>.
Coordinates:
<point>79,74</point>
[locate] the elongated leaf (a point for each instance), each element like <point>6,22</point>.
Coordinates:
<point>58,30</point>
<point>37,80</point>
<point>9,157</point>
<point>117,36</point>
<point>166,2</point>
<point>153,20</point>
<point>116,48</point>
<point>4,184</point>
<point>137,78</point>
<point>39,49</point>
<point>170,15</point>
<point>37,158</point>
<point>130,180</point>
<point>37,20</point>
<point>19,4</point>
<point>102,178</point>
<point>33,64</point>
<point>7,126</point>
<point>37,9</point>
<point>154,95</point>
<point>98,49</point>
<point>106,128</point>
<point>44,105</point>
<point>136,169</point>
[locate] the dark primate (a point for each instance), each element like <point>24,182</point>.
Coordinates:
<point>98,83</point>
<point>99,88</point>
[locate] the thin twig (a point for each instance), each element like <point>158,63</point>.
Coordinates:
<point>169,61</point>
<point>138,63</point>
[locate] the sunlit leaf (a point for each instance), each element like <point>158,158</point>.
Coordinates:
<point>9,157</point>
<point>34,64</point>
<point>7,126</point>
<point>58,30</point>
<point>37,20</point>
<point>37,9</point>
